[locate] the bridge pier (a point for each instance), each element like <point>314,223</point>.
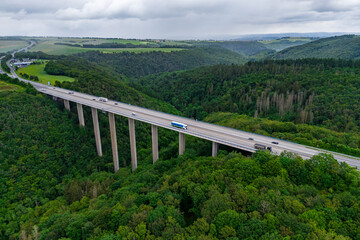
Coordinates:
<point>132,143</point>
<point>114,141</point>
<point>67,104</point>
<point>80,114</point>
<point>215,149</point>
<point>155,143</point>
<point>96,131</point>
<point>181,143</point>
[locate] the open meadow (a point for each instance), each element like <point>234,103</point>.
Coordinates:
<point>9,45</point>
<point>51,46</point>
<point>38,70</point>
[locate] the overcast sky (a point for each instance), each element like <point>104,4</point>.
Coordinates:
<point>176,19</point>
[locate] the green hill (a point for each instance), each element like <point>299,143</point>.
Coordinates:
<point>142,64</point>
<point>285,42</point>
<point>345,47</point>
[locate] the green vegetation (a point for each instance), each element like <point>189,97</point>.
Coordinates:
<point>38,70</point>
<point>320,92</point>
<point>4,86</point>
<point>139,50</point>
<point>345,47</point>
<point>10,45</point>
<point>54,186</point>
<point>187,197</point>
<point>5,67</point>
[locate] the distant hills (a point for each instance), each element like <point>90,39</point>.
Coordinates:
<point>273,36</point>
<point>344,47</point>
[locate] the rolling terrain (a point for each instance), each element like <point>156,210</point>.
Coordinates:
<point>342,47</point>
<point>54,186</point>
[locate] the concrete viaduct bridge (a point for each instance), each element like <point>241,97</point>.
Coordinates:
<point>214,133</point>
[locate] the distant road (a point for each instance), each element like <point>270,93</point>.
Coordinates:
<point>215,133</point>
<point>1,71</point>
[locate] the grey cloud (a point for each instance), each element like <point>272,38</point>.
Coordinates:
<point>175,18</point>
<point>335,5</point>
<point>141,9</point>
<point>39,6</point>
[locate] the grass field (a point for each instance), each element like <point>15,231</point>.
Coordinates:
<point>7,45</point>
<point>49,48</point>
<point>138,50</point>
<point>8,87</point>
<point>292,39</point>
<point>38,70</point>
<point>47,45</point>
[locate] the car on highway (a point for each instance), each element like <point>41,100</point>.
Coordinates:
<point>251,139</point>
<point>102,99</point>
<point>133,113</point>
<point>275,142</point>
<point>116,103</point>
<point>71,92</point>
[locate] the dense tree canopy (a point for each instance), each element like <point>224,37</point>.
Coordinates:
<point>320,92</point>
<point>142,64</point>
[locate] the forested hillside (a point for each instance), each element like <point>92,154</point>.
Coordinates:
<point>345,47</point>
<point>321,92</point>
<point>54,186</point>
<point>42,148</point>
<point>141,64</point>
<point>92,79</point>
<point>245,48</point>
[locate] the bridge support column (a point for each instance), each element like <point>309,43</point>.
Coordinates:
<point>215,149</point>
<point>132,143</point>
<point>181,143</point>
<point>67,104</point>
<point>155,144</point>
<point>80,114</point>
<point>114,141</point>
<point>96,131</point>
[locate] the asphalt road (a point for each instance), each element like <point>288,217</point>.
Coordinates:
<point>223,135</point>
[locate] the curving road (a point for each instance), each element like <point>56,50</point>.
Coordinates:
<point>219,134</point>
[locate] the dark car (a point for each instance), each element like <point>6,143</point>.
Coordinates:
<point>275,142</point>
<point>251,139</point>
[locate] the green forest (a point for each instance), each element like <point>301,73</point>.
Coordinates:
<point>343,47</point>
<point>54,186</point>
<point>313,91</point>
